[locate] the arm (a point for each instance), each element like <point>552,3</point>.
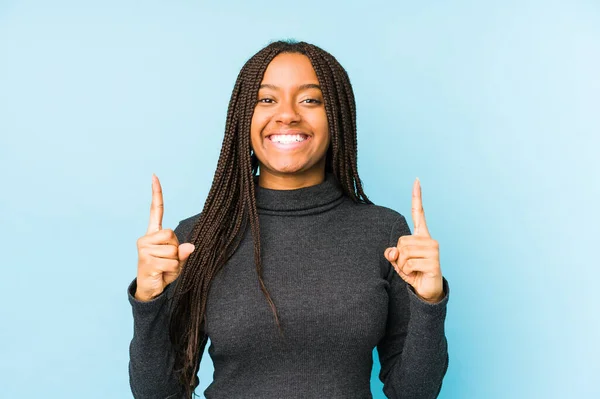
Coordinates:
<point>413,353</point>
<point>151,357</point>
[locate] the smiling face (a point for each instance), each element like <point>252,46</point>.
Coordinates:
<point>289,131</point>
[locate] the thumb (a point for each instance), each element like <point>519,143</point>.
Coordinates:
<point>185,250</point>
<point>391,254</point>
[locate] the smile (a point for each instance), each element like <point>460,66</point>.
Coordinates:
<point>288,141</point>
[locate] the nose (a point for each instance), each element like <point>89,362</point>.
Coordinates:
<point>287,113</point>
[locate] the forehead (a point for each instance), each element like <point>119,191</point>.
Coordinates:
<point>290,69</point>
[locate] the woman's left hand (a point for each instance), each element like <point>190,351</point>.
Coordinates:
<point>416,257</point>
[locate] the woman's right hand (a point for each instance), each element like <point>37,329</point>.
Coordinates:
<point>160,256</point>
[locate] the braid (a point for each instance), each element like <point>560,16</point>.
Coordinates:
<point>231,202</point>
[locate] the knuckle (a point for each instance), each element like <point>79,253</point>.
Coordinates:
<point>154,273</point>
<point>143,251</point>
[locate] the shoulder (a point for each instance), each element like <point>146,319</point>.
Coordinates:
<point>184,228</point>
<point>376,219</point>
<point>190,220</point>
<point>372,213</point>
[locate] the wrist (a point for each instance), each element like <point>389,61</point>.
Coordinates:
<point>141,298</point>
<point>144,297</point>
<point>432,300</point>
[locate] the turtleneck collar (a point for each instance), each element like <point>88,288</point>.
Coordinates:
<point>301,201</point>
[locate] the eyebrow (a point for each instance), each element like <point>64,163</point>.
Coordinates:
<point>301,87</point>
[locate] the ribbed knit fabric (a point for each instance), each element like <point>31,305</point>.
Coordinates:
<point>337,298</point>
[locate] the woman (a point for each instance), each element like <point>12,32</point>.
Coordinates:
<point>292,272</point>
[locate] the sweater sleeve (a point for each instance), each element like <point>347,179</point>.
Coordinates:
<point>151,357</point>
<point>414,352</point>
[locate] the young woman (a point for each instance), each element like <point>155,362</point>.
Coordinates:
<point>290,270</point>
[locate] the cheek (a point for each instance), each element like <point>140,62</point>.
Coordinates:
<point>326,129</point>
<point>320,126</point>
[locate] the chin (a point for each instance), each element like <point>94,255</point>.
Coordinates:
<point>288,169</point>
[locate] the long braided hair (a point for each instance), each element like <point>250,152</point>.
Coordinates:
<point>231,204</point>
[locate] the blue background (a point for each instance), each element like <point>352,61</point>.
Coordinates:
<point>493,105</point>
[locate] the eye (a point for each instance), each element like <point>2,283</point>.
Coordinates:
<point>266,100</point>
<point>312,101</point>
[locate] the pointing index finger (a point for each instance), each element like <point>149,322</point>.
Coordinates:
<point>156,207</point>
<point>418,214</point>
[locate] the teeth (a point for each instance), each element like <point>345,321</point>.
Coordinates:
<point>287,138</point>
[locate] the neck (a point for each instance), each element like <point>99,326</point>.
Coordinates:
<point>290,181</point>
<point>306,200</point>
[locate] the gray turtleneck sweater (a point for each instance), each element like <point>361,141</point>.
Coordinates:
<point>337,298</point>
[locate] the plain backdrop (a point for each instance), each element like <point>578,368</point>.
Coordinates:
<point>493,105</point>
